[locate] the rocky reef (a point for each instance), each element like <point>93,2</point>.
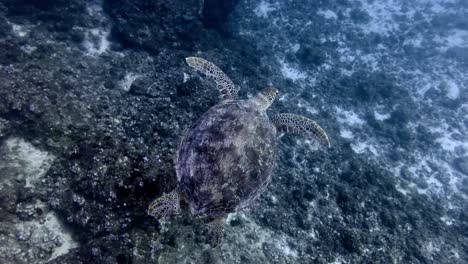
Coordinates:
<point>95,95</point>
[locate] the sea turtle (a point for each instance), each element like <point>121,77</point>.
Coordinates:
<point>225,159</point>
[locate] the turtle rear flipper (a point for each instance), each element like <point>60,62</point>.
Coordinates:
<point>297,124</point>
<point>165,206</point>
<point>225,86</point>
<point>214,232</point>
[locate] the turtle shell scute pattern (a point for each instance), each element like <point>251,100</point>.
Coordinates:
<point>226,158</point>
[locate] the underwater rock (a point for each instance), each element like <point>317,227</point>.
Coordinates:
<point>30,232</point>
<point>462,164</point>
<point>58,15</point>
<point>215,13</point>
<point>310,56</point>
<point>166,24</point>
<point>459,53</point>
<point>4,126</point>
<point>5,28</point>
<point>10,53</point>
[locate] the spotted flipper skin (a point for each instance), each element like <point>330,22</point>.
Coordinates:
<point>214,232</point>
<point>166,206</point>
<point>300,125</point>
<point>225,86</point>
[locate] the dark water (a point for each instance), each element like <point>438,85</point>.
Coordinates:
<point>95,97</point>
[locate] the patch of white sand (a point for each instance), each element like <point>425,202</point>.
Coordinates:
<point>291,72</point>
<point>263,9</point>
<point>32,162</point>
<point>97,41</point>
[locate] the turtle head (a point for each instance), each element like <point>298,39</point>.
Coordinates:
<point>270,93</point>
<point>266,97</point>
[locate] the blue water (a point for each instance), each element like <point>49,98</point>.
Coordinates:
<point>95,97</point>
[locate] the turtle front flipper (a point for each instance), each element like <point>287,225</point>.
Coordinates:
<point>214,232</point>
<point>165,206</point>
<point>225,86</point>
<point>301,125</point>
